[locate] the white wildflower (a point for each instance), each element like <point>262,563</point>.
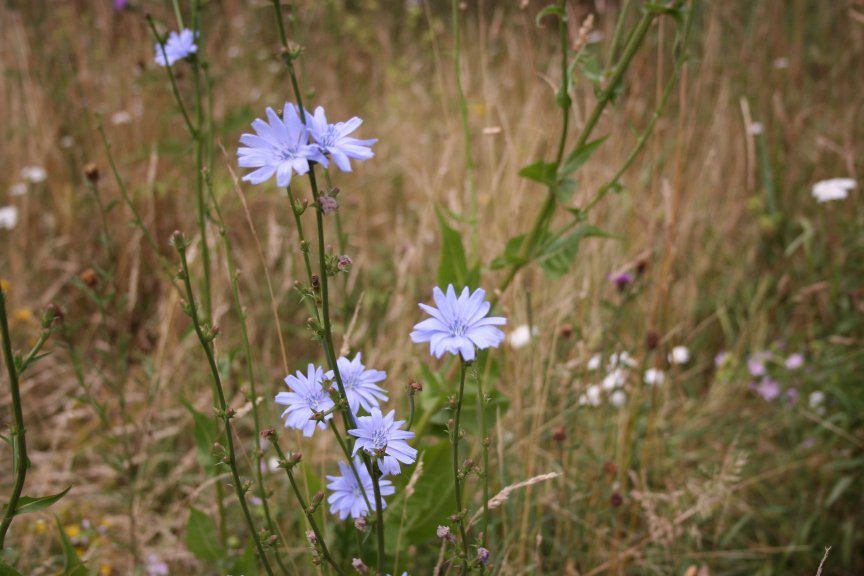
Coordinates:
<point>8,217</point>
<point>679,355</point>
<point>654,377</point>
<point>833,189</point>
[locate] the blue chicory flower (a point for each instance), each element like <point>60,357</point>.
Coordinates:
<point>177,47</point>
<point>380,436</point>
<point>347,497</point>
<point>333,139</point>
<point>458,324</point>
<point>306,398</point>
<point>360,384</point>
<point>281,147</point>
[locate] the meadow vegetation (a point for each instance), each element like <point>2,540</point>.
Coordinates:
<point>679,390</point>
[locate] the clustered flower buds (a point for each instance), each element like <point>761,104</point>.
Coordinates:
<point>443,532</point>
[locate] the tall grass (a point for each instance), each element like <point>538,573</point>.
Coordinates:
<point>712,218</point>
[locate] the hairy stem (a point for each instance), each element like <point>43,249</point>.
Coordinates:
<point>224,413</point>
<point>20,462</point>
<point>457,482</point>
<point>310,517</point>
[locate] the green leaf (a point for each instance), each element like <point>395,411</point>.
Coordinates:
<point>7,570</point>
<point>429,505</point>
<point>206,432</point>
<point>201,536</point>
<point>542,172</point>
<point>557,258</point>
<point>453,268</point>
<point>28,504</point>
<point>72,564</point>
<point>578,157</point>
<point>247,564</point>
<point>552,9</point>
<point>564,190</point>
<point>838,490</point>
<point>511,256</point>
<point>591,68</point>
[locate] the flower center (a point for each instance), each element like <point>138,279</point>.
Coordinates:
<point>329,138</point>
<point>287,153</point>
<point>314,400</point>
<point>458,326</point>
<point>379,439</point>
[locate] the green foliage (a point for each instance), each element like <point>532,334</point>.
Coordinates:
<point>202,537</point>
<point>7,570</point>
<point>430,504</point>
<point>558,256</point>
<point>205,431</point>
<point>453,268</point>
<point>28,504</point>
<point>72,564</point>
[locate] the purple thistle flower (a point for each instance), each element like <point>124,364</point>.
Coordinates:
<point>347,497</point>
<point>381,437</point>
<point>281,147</point>
<point>792,395</point>
<point>621,281</point>
<point>306,398</point>
<point>360,384</point>
<point>177,47</point>
<point>458,324</point>
<point>794,361</point>
<point>333,139</point>
<point>483,556</point>
<point>120,4</point>
<point>768,389</point>
<point>756,364</point>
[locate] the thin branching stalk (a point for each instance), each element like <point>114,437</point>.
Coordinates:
<point>484,442</point>
<point>201,138</point>
<point>289,56</point>
<point>234,276</point>
<point>347,451</point>
<point>457,481</point>
<point>310,516</point>
<point>20,462</point>
<point>180,244</point>
<point>546,212</point>
<point>137,220</point>
<point>297,210</point>
<point>470,166</point>
<point>170,71</point>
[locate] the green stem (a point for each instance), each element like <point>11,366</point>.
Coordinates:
<point>564,100</point>
<point>225,415</point>
<point>327,339</point>
<point>457,483</point>
<point>136,216</point>
<point>20,462</point>
<point>347,452</point>
<point>304,245</point>
<point>250,371</point>
<point>548,208</point>
<point>169,70</point>
<point>466,129</point>
<point>481,408</point>
<point>379,515</point>
<point>619,28</point>
<point>306,511</point>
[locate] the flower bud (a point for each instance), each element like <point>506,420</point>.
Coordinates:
<point>343,264</point>
<point>328,204</point>
<point>359,566</point>
<point>91,172</point>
